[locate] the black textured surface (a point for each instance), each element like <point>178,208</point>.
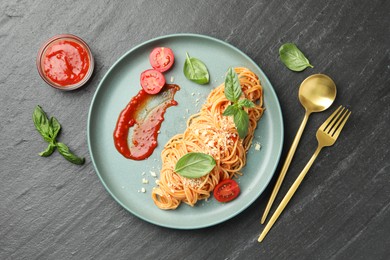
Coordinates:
<point>51,209</point>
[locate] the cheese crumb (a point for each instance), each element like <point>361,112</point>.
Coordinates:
<point>153,174</point>
<point>145,181</point>
<point>172,78</point>
<point>143,190</point>
<point>257,147</point>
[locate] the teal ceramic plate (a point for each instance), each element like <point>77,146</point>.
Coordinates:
<point>123,178</point>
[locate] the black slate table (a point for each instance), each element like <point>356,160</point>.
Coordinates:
<point>51,209</point>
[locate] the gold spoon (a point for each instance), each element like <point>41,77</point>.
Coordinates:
<point>316,93</point>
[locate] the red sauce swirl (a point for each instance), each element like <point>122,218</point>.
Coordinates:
<point>136,131</point>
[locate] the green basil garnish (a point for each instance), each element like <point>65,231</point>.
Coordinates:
<point>245,103</point>
<point>42,124</point>
<point>55,127</point>
<point>49,150</point>
<point>232,86</point>
<point>241,120</point>
<point>293,58</point>
<point>195,165</point>
<point>49,130</point>
<point>195,70</point>
<point>68,155</point>
<point>231,110</point>
<point>233,92</point>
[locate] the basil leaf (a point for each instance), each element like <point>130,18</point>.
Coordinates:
<point>42,123</point>
<point>55,127</point>
<point>49,150</point>
<point>232,86</point>
<point>68,155</point>
<point>245,103</point>
<point>241,120</point>
<point>195,70</point>
<point>293,58</point>
<point>194,165</point>
<point>230,111</point>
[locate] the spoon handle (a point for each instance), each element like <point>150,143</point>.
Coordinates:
<point>289,194</point>
<point>286,164</point>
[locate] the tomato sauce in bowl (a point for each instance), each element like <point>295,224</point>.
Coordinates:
<point>65,62</point>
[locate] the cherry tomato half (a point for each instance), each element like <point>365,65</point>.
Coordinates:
<point>152,81</point>
<point>226,190</point>
<point>161,58</point>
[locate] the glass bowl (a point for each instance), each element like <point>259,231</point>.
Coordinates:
<point>55,40</point>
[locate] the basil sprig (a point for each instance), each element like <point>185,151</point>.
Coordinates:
<point>49,129</point>
<point>293,58</point>
<point>233,93</point>
<point>195,70</point>
<point>194,165</point>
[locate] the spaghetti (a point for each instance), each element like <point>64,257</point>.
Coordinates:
<point>212,133</point>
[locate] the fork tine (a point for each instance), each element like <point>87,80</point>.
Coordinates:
<point>337,123</point>
<point>339,128</point>
<point>335,120</point>
<point>330,119</point>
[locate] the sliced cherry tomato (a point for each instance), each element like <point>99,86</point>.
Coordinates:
<point>161,58</point>
<point>152,81</point>
<point>226,190</point>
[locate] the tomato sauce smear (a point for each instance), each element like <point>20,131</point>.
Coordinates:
<point>136,131</point>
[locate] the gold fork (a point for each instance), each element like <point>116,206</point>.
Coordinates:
<point>326,135</point>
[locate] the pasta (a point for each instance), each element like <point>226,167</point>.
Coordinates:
<point>212,133</point>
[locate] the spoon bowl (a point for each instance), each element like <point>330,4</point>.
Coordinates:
<point>317,93</point>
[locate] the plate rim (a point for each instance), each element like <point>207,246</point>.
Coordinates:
<point>112,67</point>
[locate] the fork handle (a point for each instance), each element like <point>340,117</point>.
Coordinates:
<point>289,194</point>
<point>286,164</point>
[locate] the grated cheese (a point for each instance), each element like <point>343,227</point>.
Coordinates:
<point>195,183</point>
